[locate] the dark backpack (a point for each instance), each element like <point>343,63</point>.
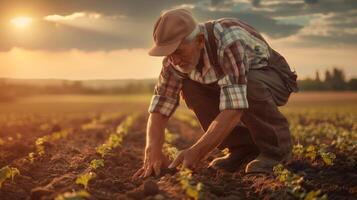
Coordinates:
<point>276,61</point>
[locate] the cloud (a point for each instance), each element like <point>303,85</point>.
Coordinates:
<point>329,30</point>
<point>311,1</point>
<point>262,23</point>
<point>256,3</point>
<point>76,16</point>
<point>303,7</point>
<point>325,23</point>
<point>125,24</point>
<point>56,36</point>
<point>95,22</point>
<point>56,18</point>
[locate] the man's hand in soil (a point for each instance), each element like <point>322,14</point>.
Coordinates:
<point>223,124</point>
<point>154,159</point>
<point>153,162</point>
<point>189,158</point>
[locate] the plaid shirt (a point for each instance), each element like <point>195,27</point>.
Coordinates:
<point>239,49</point>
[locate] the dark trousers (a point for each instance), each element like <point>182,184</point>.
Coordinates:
<point>262,125</point>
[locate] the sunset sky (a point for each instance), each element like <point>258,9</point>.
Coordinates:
<point>109,39</point>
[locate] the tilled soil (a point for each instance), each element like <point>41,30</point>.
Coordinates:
<point>56,171</point>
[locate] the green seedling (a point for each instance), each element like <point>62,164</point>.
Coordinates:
<point>8,173</point>
<point>85,178</point>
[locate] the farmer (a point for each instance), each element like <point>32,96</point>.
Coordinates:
<point>232,80</point>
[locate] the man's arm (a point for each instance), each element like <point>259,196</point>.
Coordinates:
<point>155,130</point>
<point>154,158</point>
<point>219,129</point>
<point>163,104</point>
<point>233,98</point>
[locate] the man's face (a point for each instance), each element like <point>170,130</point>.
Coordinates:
<point>187,55</point>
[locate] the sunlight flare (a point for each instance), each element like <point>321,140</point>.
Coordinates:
<point>21,22</point>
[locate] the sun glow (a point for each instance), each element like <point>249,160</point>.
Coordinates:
<point>21,22</point>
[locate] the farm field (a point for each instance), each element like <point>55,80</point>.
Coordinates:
<point>88,147</point>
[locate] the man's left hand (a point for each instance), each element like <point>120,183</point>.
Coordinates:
<point>189,158</point>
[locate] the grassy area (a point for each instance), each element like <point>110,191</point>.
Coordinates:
<point>322,101</point>
<point>76,103</point>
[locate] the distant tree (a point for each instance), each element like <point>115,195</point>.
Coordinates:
<point>335,80</point>
<point>318,84</point>
<point>327,81</point>
<point>317,76</point>
<point>352,84</point>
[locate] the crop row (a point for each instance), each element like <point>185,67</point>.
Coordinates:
<point>63,134</point>
<point>294,184</point>
<point>191,188</point>
<point>115,140</point>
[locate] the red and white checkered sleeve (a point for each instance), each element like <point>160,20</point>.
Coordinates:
<point>234,82</point>
<point>166,94</point>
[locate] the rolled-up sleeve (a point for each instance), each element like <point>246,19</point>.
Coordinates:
<point>233,84</point>
<point>166,94</point>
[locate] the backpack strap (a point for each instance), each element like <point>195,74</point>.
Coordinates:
<point>211,47</point>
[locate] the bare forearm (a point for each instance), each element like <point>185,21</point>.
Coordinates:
<point>155,132</point>
<point>217,131</point>
<point>154,159</point>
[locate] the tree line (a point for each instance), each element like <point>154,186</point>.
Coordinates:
<point>334,80</point>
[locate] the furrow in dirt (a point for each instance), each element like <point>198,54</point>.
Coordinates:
<point>25,137</point>
<point>64,159</point>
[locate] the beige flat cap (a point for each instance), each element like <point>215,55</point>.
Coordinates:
<point>170,29</point>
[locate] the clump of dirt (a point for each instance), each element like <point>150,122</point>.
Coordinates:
<point>148,188</point>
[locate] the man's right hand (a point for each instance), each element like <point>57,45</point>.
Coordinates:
<point>153,162</point>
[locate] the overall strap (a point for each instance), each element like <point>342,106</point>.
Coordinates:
<point>211,47</point>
